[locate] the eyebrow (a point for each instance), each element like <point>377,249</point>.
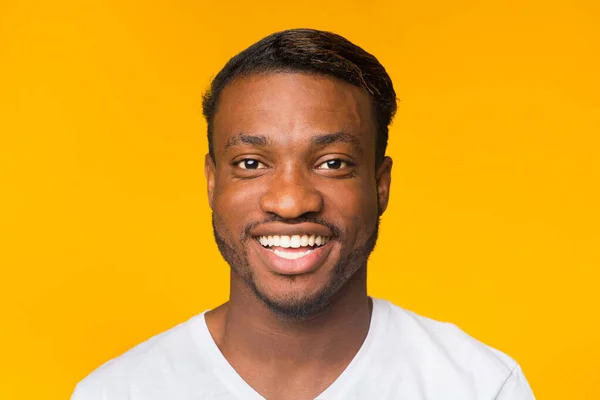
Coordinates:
<point>319,140</point>
<point>338,137</point>
<point>243,138</point>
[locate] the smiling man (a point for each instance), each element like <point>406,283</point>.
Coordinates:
<point>297,181</point>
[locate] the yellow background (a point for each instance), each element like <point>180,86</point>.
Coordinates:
<point>494,222</point>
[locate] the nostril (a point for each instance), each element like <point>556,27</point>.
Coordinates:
<point>291,203</point>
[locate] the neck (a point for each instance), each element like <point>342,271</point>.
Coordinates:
<point>245,328</point>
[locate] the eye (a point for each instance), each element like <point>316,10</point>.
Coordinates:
<point>250,163</point>
<point>333,164</point>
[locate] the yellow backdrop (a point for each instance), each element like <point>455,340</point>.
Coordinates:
<point>494,221</point>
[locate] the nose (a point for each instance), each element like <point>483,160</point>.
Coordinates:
<point>291,194</point>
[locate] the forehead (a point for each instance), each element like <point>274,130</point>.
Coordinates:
<point>288,107</point>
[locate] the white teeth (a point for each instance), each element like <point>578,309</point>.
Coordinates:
<point>295,241</point>
<point>304,241</point>
<point>291,256</point>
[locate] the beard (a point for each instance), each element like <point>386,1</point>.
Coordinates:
<point>304,306</point>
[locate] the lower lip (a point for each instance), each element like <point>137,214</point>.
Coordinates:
<point>299,266</point>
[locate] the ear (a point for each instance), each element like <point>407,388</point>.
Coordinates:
<point>384,180</point>
<point>209,172</point>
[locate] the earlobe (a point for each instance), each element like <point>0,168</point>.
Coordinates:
<point>209,173</point>
<point>384,180</point>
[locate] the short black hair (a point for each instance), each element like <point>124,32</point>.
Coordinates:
<point>314,52</point>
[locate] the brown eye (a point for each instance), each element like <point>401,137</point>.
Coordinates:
<point>250,163</point>
<point>333,164</point>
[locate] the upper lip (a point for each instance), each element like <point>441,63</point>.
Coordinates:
<point>278,228</point>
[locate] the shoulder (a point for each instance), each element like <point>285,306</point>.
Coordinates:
<point>152,363</point>
<point>442,352</point>
<point>438,340</point>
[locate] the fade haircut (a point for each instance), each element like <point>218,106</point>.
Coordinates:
<point>314,52</point>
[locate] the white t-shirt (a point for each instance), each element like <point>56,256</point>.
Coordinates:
<point>405,356</point>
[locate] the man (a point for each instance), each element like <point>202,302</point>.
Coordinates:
<point>297,180</point>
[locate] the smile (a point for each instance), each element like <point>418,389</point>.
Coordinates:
<point>292,247</point>
<point>293,254</point>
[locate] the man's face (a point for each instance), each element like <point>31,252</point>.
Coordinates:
<point>294,189</point>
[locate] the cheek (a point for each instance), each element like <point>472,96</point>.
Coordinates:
<point>235,203</point>
<point>354,203</point>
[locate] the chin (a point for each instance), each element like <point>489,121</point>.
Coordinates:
<point>294,297</point>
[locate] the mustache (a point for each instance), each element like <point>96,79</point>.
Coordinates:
<point>336,232</point>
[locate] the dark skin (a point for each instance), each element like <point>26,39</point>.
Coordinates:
<point>300,166</point>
